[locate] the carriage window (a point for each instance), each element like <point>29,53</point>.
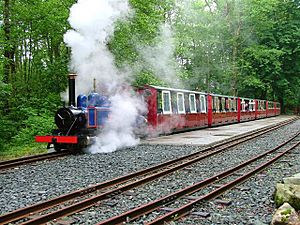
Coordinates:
<point>246,105</point>
<point>202,103</point>
<point>166,102</point>
<point>180,103</point>
<point>192,99</point>
<point>216,104</point>
<point>243,105</point>
<point>174,102</point>
<point>251,105</point>
<point>232,105</point>
<point>159,102</point>
<point>198,103</point>
<point>262,105</point>
<point>186,103</point>
<point>220,104</point>
<point>223,104</point>
<point>227,104</point>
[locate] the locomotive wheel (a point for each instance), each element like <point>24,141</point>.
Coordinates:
<point>57,147</point>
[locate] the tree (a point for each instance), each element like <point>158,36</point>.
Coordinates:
<point>276,26</point>
<point>140,30</point>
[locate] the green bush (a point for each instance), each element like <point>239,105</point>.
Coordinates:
<point>34,125</point>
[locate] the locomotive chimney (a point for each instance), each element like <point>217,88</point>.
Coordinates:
<point>72,77</point>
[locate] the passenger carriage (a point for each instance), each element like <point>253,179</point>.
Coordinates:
<point>224,109</point>
<point>247,109</point>
<point>171,110</point>
<point>261,109</point>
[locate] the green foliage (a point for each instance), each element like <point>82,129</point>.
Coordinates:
<point>276,25</point>
<point>262,71</point>
<point>34,125</point>
<point>38,71</point>
<point>140,30</point>
<point>245,47</point>
<point>8,128</point>
<point>146,77</point>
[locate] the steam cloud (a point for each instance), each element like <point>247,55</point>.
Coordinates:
<point>93,25</point>
<point>160,57</point>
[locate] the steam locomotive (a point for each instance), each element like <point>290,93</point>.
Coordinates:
<point>77,127</point>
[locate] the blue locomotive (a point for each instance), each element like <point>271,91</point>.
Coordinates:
<point>77,126</point>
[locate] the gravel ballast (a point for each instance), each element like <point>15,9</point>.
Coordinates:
<point>30,184</point>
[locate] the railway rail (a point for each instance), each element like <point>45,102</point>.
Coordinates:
<point>213,181</point>
<point>116,186</point>
<point>30,159</point>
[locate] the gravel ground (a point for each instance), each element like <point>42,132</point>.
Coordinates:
<point>30,184</point>
<point>253,202</point>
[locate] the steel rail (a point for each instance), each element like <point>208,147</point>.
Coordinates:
<point>186,209</point>
<point>21,161</point>
<point>150,207</point>
<point>21,213</point>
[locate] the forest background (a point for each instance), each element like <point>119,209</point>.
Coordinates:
<point>247,48</point>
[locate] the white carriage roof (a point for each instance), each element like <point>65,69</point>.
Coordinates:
<point>188,91</point>
<point>177,90</point>
<point>198,92</point>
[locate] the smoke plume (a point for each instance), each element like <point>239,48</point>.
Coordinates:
<point>92,24</point>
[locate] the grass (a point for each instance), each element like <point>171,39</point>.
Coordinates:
<point>11,152</point>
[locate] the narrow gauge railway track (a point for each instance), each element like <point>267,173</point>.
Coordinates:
<point>30,159</point>
<point>215,181</point>
<point>106,190</point>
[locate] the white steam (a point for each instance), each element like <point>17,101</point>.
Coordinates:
<point>119,129</point>
<point>93,25</point>
<point>160,57</point>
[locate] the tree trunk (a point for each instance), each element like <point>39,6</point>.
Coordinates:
<point>8,48</point>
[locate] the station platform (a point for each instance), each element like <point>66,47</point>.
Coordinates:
<point>212,135</point>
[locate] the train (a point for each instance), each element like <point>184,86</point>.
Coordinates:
<point>169,110</point>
